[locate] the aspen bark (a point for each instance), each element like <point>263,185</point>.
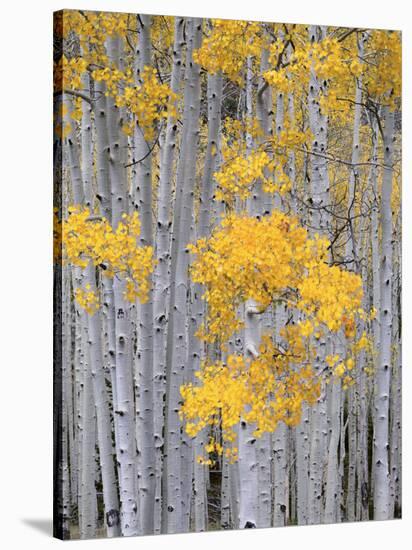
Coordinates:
<point>162,269</point>
<point>280,460</point>
<point>362,511</point>
<point>373,182</point>
<point>351,252</point>
<point>320,223</point>
<point>88,454</point>
<point>72,149</point>
<point>87,145</point>
<point>375,252</point>
<point>102,150</point>
<point>302,438</point>
<point>248,464</point>
<point>196,349</point>
<point>95,334</point>
<point>352,258</point>
<point>79,360</point>
<point>103,196</point>
<point>67,406</point>
<point>332,487</point>
<point>144,358</point>
<point>318,123</point>
<point>381,436</point>
<point>280,450</point>
<point>264,446</point>
<point>176,355</point>
<point>225,495</point>
<point>352,444</point>
<point>396,397</point>
<point>93,376</point>
<point>104,426</point>
<point>126,458</point>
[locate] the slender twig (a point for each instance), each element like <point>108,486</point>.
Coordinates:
<point>149,152</point>
<point>332,158</point>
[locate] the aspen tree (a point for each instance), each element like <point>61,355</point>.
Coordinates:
<point>382,397</point>
<point>144,360</point>
<point>280,451</point>
<point>88,503</point>
<point>95,334</point>
<point>103,196</point>
<point>196,351</point>
<point>177,332</point>
<point>162,268</point>
<point>319,199</point>
<point>86,141</point>
<point>248,462</point>
<point>125,408</point>
<point>396,393</point>
<point>104,429</point>
<point>67,412</point>
<point>362,505</point>
<point>95,377</point>
<point>352,256</point>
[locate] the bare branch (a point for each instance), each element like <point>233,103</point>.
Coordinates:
<point>75,93</point>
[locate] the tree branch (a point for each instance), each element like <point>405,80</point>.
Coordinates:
<point>75,94</point>
<point>156,141</point>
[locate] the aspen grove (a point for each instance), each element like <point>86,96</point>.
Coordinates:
<point>227,248</point>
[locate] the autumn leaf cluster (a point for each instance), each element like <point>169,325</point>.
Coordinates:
<point>267,262</point>
<point>88,238</point>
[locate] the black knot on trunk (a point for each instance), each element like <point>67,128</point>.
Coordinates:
<point>112,518</point>
<point>250,525</point>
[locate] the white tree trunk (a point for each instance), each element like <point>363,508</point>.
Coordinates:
<point>280,450</point>
<point>72,149</point>
<point>281,489</point>
<point>332,486</point>
<point>172,512</point>
<point>162,268</point>
<point>87,144</point>
<point>95,335</point>
<point>66,435</point>
<point>320,223</point>
<point>351,252</point>
<point>234,483</point>
<point>352,444</point>
<point>104,200</point>
<point>362,506</point>
<point>248,464</point>
<point>396,397</point>
<point>196,349</point>
<point>126,458</point>
<point>381,436</point>
<point>104,425</point>
<point>87,513</point>
<point>144,357</point>
<point>302,466</point>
